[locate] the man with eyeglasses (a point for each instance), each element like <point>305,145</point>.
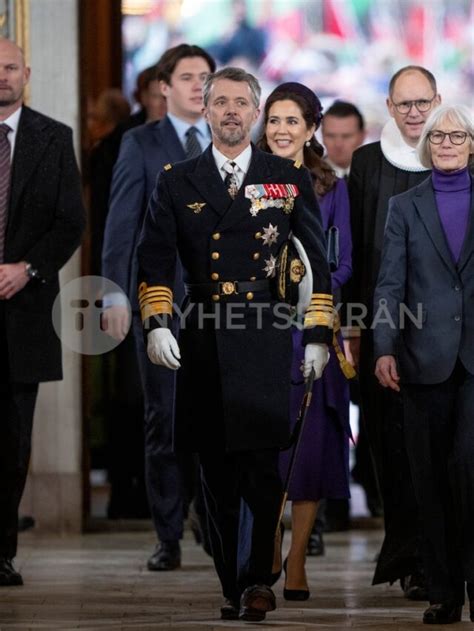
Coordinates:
<point>378,171</point>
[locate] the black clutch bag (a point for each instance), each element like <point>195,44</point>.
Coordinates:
<point>332,238</point>
<point>289,270</point>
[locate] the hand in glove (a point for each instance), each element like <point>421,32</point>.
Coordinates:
<point>163,349</point>
<point>315,356</point>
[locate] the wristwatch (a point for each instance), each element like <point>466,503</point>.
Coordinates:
<point>30,271</point>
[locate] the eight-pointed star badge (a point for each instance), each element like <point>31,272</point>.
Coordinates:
<point>270,235</point>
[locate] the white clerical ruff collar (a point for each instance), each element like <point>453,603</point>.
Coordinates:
<point>397,151</point>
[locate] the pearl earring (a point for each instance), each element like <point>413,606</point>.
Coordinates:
<point>307,143</point>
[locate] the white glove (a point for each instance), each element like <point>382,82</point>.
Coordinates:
<point>163,349</point>
<point>315,356</point>
<point>305,288</point>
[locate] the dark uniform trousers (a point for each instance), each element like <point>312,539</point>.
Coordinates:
<point>242,491</point>
<point>163,472</point>
<point>440,443</point>
<point>17,405</point>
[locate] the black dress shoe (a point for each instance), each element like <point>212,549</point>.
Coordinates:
<point>315,544</point>
<point>294,594</point>
<point>414,586</point>
<point>8,575</point>
<point>442,613</point>
<point>255,602</point>
<point>167,556</point>
<point>229,610</point>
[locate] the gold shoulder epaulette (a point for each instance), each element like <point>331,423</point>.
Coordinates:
<point>167,167</point>
<point>297,164</point>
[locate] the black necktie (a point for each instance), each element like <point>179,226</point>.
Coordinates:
<point>231,180</point>
<point>5,152</point>
<point>192,146</point>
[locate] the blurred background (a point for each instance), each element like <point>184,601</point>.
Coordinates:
<point>344,49</point>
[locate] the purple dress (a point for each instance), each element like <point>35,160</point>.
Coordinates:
<point>322,464</point>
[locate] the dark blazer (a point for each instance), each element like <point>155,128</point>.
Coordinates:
<point>417,269</point>
<point>232,378</point>
<point>143,153</point>
<point>102,159</point>
<point>372,182</point>
<point>45,223</point>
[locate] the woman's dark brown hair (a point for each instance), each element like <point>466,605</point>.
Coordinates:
<point>323,174</point>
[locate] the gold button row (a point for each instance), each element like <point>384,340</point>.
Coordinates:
<point>216,256</point>
<point>217,235</point>
<point>215,276</point>
<point>248,295</point>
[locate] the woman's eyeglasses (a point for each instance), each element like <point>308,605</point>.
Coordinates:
<point>456,137</point>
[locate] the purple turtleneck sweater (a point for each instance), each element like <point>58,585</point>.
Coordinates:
<point>453,199</point>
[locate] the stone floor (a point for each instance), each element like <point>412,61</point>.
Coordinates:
<point>100,582</point>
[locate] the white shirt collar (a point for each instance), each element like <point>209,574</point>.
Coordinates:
<point>242,160</point>
<point>339,171</point>
<point>181,127</point>
<point>397,151</point>
<point>13,120</point>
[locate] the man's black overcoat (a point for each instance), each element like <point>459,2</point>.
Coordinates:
<point>45,223</point>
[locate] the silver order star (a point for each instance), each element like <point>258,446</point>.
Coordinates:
<point>270,266</point>
<point>270,235</point>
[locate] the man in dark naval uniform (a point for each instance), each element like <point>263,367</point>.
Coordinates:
<point>380,170</point>
<point>227,213</point>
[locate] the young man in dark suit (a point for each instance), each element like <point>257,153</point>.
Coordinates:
<point>226,213</point>
<point>41,222</point>
<point>144,152</point>
<point>380,170</point>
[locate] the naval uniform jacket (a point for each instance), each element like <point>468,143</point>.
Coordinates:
<point>234,381</point>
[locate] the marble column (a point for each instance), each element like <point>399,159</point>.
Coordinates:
<point>54,489</point>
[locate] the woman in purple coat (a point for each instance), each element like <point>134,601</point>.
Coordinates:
<point>292,116</point>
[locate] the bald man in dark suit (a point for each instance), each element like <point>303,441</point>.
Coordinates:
<point>41,222</point>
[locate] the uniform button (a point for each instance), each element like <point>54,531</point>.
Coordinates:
<point>253,278</point>
<point>216,236</point>
<point>457,318</point>
<point>215,256</point>
<point>256,256</point>
<point>215,276</point>
<point>216,297</point>
<point>457,288</point>
<point>249,295</point>
<point>258,235</point>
